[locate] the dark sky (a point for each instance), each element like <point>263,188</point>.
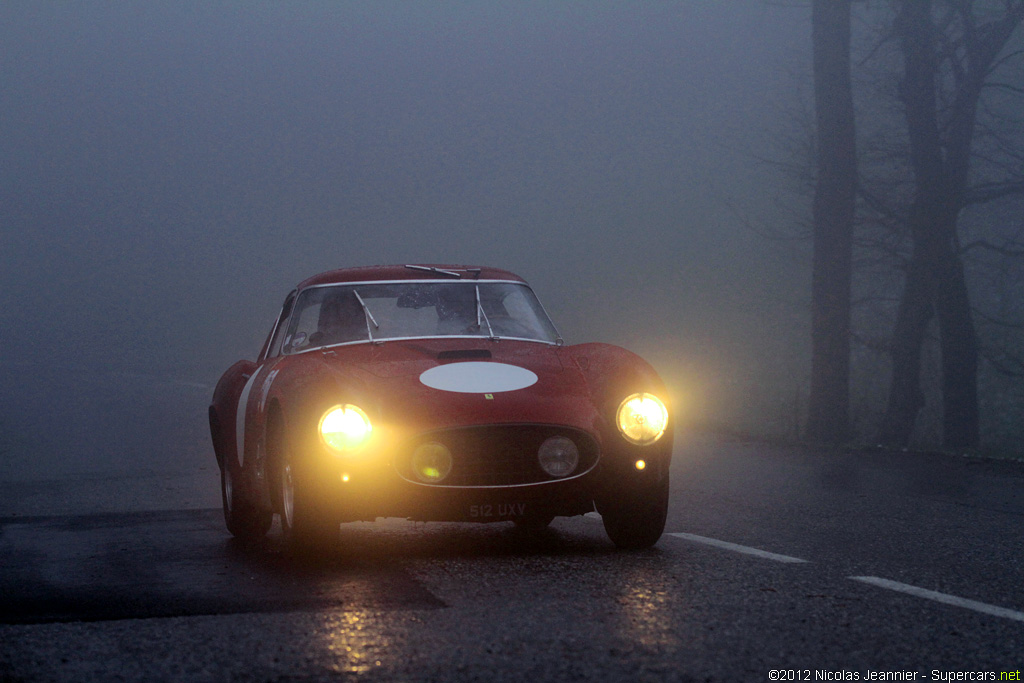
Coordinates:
<point>170,170</point>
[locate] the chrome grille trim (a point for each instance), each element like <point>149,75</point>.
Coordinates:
<point>498,456</point>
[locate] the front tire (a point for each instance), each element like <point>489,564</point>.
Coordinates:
<point>245,520</point>
<point>639,521</point>
<point>307,523</point>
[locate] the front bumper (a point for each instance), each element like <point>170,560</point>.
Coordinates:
<point>380,484</point>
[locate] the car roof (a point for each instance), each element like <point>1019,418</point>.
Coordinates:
<point>419,271</point>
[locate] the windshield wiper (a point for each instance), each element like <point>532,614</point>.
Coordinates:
<point>369,316</point>
<point>475,272</point>
<point>480,312</point>
<point>439,271</point>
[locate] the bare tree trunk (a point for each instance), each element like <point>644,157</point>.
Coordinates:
<point>926,220</point>
<point>905,396</point>
<point>941,158</point>
<point>935,288</point>
<point>834,203</point>
<point>959,343</point>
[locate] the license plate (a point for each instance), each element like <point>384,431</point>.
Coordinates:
<point>497,510</point>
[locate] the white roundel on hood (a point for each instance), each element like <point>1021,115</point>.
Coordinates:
<point>478,378</point>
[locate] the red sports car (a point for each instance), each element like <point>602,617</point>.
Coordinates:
<point>436,393</point>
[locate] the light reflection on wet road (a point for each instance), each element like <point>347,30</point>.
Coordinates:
<point>167,595</point>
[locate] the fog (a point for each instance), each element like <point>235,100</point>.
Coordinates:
<point>171,170</point>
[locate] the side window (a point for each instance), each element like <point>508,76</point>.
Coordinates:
<point>303,325</point>
<point>273,346</point>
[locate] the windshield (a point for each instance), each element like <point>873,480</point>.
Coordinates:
<point>339,314</point>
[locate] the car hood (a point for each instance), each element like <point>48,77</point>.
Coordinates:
<point>423,385</point>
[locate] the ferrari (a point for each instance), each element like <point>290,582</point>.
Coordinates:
<point>436,393</point>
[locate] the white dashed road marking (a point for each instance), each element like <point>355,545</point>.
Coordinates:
<point>944,598</point>
<point>746,550</point>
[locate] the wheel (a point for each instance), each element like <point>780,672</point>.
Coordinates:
<point>639,521</point>
<point>244,520</point>
<point>306,523</point>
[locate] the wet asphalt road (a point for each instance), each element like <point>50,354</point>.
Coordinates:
<point>825,566</point>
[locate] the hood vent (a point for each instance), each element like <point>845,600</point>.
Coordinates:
<point>463,354</point>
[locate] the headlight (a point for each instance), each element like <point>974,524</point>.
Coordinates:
<point>642,419</point>
<point>558,456</point>
<point>431,462</point>
<point>345,428</point>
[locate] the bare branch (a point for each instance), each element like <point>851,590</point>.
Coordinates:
<point>996,321</point>
<point>992,191</point>
<point>891,300</point>
<point>877,204</point>
<point>1012,249</point>
<point>1004,59</point>
<point>1004,368</point>
<point>1003,86</point>
<point>870,343</point>
<point>886,38</point>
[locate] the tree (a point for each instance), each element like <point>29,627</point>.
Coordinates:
<point>833,215</point>
<point>949,52</point>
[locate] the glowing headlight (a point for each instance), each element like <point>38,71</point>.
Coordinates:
<point>431,462</point>
<point>345,428</point>
<point>642,419</point>
<point>558,456</point>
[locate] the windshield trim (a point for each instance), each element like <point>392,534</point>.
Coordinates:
<point>558,341</point>
<point>430,281</point>
<point>378,342</point>
<point>268,347</point>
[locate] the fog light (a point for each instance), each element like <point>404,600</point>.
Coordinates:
<point>558,456</point>
<point>431,462</point>
<point>640,464</point>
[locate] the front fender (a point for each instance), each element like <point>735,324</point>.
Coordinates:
<point>612,374</point>
<point>223,408</point>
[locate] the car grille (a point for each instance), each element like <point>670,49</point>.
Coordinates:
<point>498,455</point>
